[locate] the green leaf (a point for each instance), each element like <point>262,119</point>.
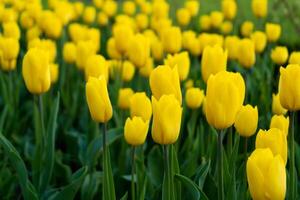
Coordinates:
<point>191,188</point>
<point>175,170</point>
<point>108,184</point>
<point>28,190</point>
<point>69,191</point>
<point>91,184</point>
<point>46,173</point>
<point>125,196</point>
<point>202,173</point>
<point>3,117</point>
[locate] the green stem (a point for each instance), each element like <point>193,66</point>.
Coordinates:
<point>133,194</point>
<point>220,167</point>
<point>292,157</point>
<point>229,140</point>
<point>104,159</point>
<point>167,171</point>
<point>246,147</point>
<point>41,109</point>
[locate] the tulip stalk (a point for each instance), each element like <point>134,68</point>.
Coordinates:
<point>41,109</point>
<point>133,194</point>
<point>167,171</point>
<point>292,157</point>
<point>220,166</point>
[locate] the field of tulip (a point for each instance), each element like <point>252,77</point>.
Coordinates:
<point>149,99</point>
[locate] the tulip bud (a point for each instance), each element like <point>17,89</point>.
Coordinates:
<point>266,175</point>
<point>89,14</point>
<point>289,87</point>
<point>182,61</point>
<point>83,51</point>
<point>98,3</point>
<point>214,60</point>
<point>205,22</point>
<point>226,27</point>
<point>96,66</point>
<point>140,105</point>
<point>187,37</point>
<point>183,16</point>
<point>36,71</point>
<point>129,7</point>
<point>127,71</point>
<point>279,55</point>
<point>122,34</point>
<point>165,80</point>
<point>139,50</point>
<point>157,50</point>
<point>54,72</point>
<point>110,8</point>
<point>216,19</point>
<point>260,40</point>
<point>189,84</point>
<point>9,50</point>
<point>26,20</point>
<point>112,49</point>
<point>280,122</point>
<point>247,28</point>
<point>124,97</point>
<point>273,32</point>
<point>171,39</point>
<point>141,21</point>
<point>33,33</point>
<point>160,9</point>
<point>275,140</point>
<point>194,97</point>
<point>98,100</point>
<point>294,58</point>
<point>47,45</point>
<point>225,95</point>
<point>69,52</point>
<point>246,55</point>
<point>135,130</point>
<point>11,30</point>
<point>277,107</point>
<point>246,121</point>
<point>231,44</point>
<point>166,126</point>
<point>146,71</point>
<point>229,8</point>
<point>260,8</point>
<point>192,6</point>
<point>102,19</point>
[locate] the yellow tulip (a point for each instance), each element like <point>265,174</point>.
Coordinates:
<point>171,39</point>
<point>192,6</point>
<point>226,27</point>
<point>50,24</point>
<point>157,50</point>
<point>295,58</point>
<point>166,126</point>
<point>266,175</point>
<point>274,139</point>
<point>112,49</point>
<point>89,14</point>
<point>246,121</point>
<point>54,72</point>
<point>98,3</point>
<point>36,71</point>
<point>260,40</point>
<point>98,100</point>
<point>225,95</point>
<point>260,8</point>
<point>214,60</point>
<point>207,39</point>
<point>83,51</point>
<point>216,19</point>
<point>205,22</point>
<point>246,53</point>
<point>69,52</point>
<point>102,19</point>
<point>140,105</point>
<point>9,50</point>
<point>94,36</point>
<point>124,98</point>
<point>129,7</point>
<point>229,8</point>
<point>146,7</point>
<point>77,32</point>
<point>142,21</point>
<point>160,9</point>
<point>164,81</point>
<point>247,28</point>
<point>9,15</point>
<point>127,71</point>
<point>11,29</point>
<point>47,45</point>
<point>231,44</point>
<point>182,61</point>
<point>187,38</point>
<point>273,32</point>
<point>78,8</point>
<point>146,71</point>
<point>110,8</point>
<point>277,107</point>
<point>139,50</point>
<point>289,87</point>
<point>183,16</point>
<point>279,55</point>
<point>123,35</point>
<point>65,12</point>
<point>33,33</point>
<point>135,130</point>
<point>26,20</point>
<point>96,66</point>
<point>280,122</point>
<point>189,84</point>
<point>194,97</point>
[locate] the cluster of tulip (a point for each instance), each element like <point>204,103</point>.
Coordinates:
<point>205,77</point>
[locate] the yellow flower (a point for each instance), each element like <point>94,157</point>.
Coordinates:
<point>96,66</point>
<point>135,130</point>
<point>127,71</point>
<point>289,87</point>
<point>231,44</point>
<point>229,8</point>
<point>189,84</point>
<point>9,47</point>
<point>122,34</point>
<point>160,9</point>
<point>36,71</point>
<point>266,175</point>
<point>9,15</point>
<point>112,49</point>
<point>33,33</point>
<point>260,40</point>
<point>89,14</point>
<point>83,51</point>
<point>207,39</point>
<point>182,61</point>
<point>226,27</point>
<point>98,3</point>
<point>166,119</point>
<point>277,107</point>
<point>140,106</point>
<point>171,39</point>
<point>69,52</point>
<point>187,39</point>
<point>280,122</point>
<point>273,32</point>
<point>279,55</point>
<point>102,19</point>
<point>110,7</point>
<point>146,7</point>
<point>275,140</point>
<point>205,22</point>
<point>260,8</point>
<point>214,60</point>
<point>50,24</point>
<point>225,95</point>
<point>54,71</point>
<point>142,21</point>
<point>157,50</point>
<point>246,53</point>
<point>47,45</point>
<point>192,6</point>
<point>124,98</point>
<point>216,18</point>
<point>194,97</point>
<point>247,28</point>
<point>139,50</point>
<point>26,20</point>
<point>183,16</point>
<point>295,58</point>
<point>129,7</point>
<point>11,29</point>
<point>98,100</point>
<point>246,121</point>
<point>94,35</point>
<point>165,80</point>
<point>78,8</point>
<point>146,70</point>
